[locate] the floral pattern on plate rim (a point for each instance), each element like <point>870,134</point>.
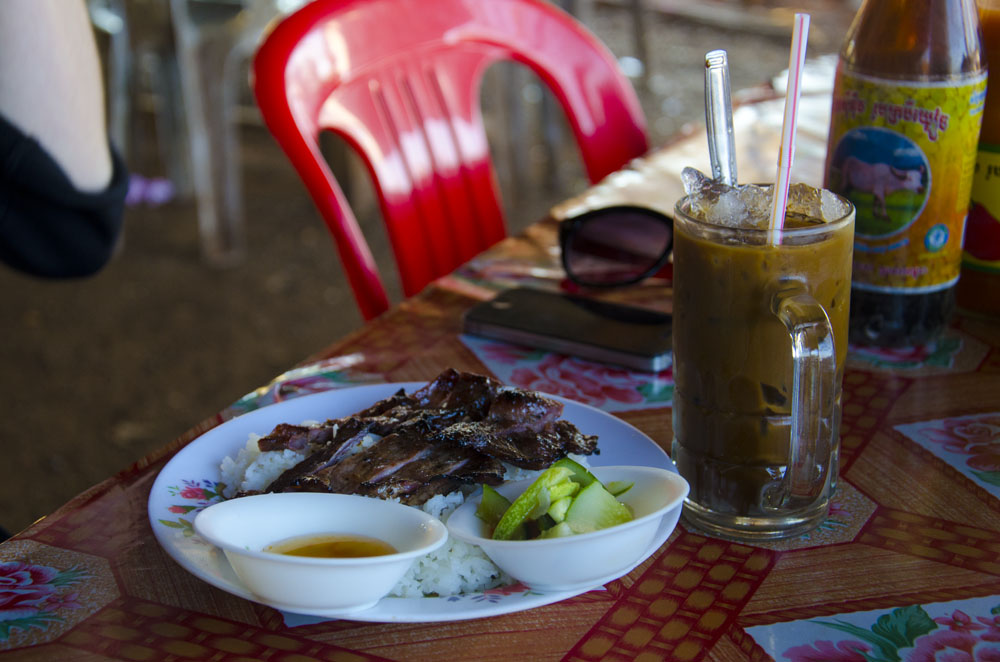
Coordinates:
<point>956,631</point>
<point>494,595</point>
<point>970,444</point>
<point>203,493</point>
<point>603,386</point>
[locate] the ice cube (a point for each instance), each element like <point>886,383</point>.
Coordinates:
<point>816,203</point>
<point>804,199</point>
<point>750,205</point>
<point>704,193</point>
<point>832,206</point>
<point>694,180</point>
<point>728,209</point>
<point>757,201</point>
<point>744,205</point>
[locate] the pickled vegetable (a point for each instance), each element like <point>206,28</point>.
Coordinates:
<point>565,499</point>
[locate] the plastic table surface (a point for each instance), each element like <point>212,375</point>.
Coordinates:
<point>906,567</point>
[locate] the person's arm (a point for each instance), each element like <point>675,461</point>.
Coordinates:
<point>62,187</point>
<point>51,86</point>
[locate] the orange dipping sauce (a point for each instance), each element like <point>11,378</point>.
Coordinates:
<point>331,546</point>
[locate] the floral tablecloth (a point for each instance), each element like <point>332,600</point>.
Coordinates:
<point>906,567</point>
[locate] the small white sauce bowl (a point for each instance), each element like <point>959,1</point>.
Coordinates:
<point>584,560</point>
<point>243,527</point>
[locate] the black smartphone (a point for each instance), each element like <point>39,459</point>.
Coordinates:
<point>613,333</point>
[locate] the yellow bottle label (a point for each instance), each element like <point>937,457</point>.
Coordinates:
<point>982,230</point>
<point>904,153</point>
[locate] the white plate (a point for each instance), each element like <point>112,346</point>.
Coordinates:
<point>190,482</point>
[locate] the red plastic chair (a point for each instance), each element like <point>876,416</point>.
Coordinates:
<point>400,81</point>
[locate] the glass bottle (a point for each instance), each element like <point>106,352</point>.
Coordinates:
<point>906,116</point>
<point>979,286</point>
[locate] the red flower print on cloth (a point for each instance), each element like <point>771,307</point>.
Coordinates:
<point>964,435</point>
<point>597,384</point>
<point>31,595</point>
<point>958,632</point>
<point>838,511</point>
<point>583,381</point>
<point>992,628</point>
<point>940,353</point>
<point>977,438</point>
<point>23,588</point>
<point>67,601</point>
<point>503,353</point>
<point>959,621</point>
<point>953,645</point>
<point>910,634</point>
<point>916,353</point>
<point>987,459</point>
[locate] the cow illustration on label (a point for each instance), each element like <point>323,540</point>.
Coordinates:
<point>880,179</point>
<point>885,175</point>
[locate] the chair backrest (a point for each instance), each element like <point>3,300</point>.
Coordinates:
<point>400,80</point>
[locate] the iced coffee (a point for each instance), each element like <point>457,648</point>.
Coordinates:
<point>760,340</point>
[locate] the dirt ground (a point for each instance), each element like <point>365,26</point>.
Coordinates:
<point>99,372</point>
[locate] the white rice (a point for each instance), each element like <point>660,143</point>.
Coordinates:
<point>455,568</point>
<point>253,470</point>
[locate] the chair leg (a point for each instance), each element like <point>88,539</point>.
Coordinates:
<point>110,17</point>
<point>552,141</point>
<point>639,37</point>
<point>203,54</point>
<point>520,140</point>
<point>583,10</point>
<point>171,131</point>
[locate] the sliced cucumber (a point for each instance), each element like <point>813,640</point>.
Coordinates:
<point>558,531</point>
<point>595,508</point>
<point>557,510</point>
<point>528,501</point>
<point>543,499</point>
<point>492,506</point>
<point>567,488</point>
<point>581,474</point>
<point>566,498</point>
<point>619,487</point>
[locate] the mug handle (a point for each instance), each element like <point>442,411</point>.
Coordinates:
<point>814,371</point>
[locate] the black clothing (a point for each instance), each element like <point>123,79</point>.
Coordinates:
<point>48,228</point>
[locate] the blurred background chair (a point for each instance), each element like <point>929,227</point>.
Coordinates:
<point>195,73</point>
<point>185,61</point>
<point>399,80</point>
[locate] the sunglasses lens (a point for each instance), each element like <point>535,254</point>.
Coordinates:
<point>616,246</point>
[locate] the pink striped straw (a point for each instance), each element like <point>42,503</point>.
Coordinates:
<point>793,92</point>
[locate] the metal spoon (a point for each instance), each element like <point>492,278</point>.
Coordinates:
<point>719,117</point>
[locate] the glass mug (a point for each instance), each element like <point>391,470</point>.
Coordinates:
<point>759,341</point>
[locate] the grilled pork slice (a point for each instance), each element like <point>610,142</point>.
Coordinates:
<point>403,465</point>
<point>525,447</point>
<point>465,392</point>
<point>295,437</point>
<point>457,430</point>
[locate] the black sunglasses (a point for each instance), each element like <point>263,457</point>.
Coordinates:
<point>615,246</point>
